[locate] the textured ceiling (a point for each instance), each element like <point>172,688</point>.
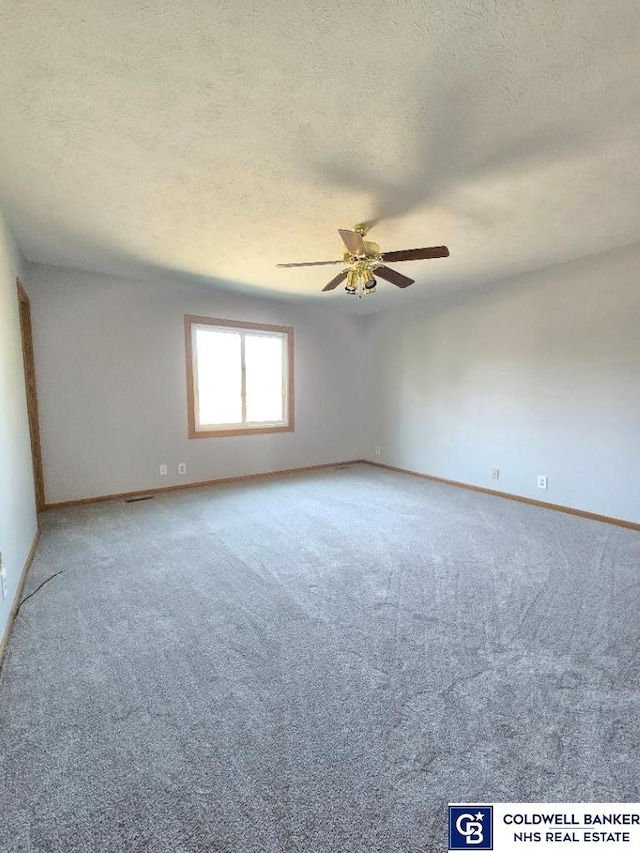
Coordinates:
<point>209,141</point>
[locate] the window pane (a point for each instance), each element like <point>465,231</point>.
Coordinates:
<point>219,377</point>
<point>264,376</point>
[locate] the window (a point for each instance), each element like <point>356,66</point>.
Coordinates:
<point>239,377</point>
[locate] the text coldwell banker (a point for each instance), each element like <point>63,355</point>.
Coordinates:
<point>537,819</point>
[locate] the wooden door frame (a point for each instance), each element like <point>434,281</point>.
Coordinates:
<point>32,396</point>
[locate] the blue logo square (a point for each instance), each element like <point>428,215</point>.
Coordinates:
<point>470,827</point>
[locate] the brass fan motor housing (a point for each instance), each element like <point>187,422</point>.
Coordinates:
<point>372,254</point>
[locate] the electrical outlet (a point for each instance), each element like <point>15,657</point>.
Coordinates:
<point>377,450</point>
<point>182,468</point>
<point>543,481</point>
<point>163,470</point>
<point>495,473</point>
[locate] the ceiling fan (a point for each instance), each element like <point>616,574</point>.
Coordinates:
<point>362,258</point>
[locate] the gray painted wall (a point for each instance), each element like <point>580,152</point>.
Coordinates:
<point>18,521</point>
<point>112,386</point>
<point>539,374</point>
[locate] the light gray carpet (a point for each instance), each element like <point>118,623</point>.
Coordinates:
<point>314,663</point>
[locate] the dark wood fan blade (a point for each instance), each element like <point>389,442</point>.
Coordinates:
<point>353,241</point>
<point>416,254</point>
<point>335,281</point>
<point>394,277</point>
<point>311,264</point>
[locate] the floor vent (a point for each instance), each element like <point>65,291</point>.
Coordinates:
<point>141,498</point>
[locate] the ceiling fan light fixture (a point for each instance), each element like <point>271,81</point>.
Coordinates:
<point>363,257</point>
<point>353,280</point>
